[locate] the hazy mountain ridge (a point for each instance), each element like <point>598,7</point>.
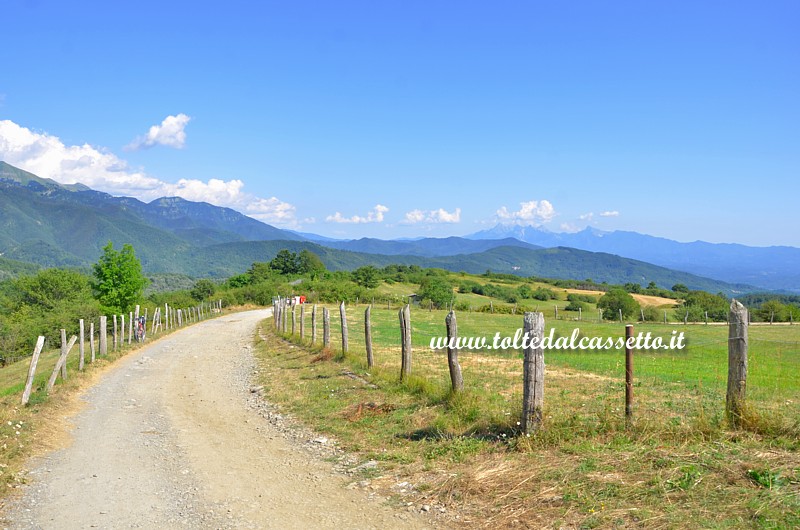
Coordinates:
<point>47,224</point>
<point>776,267</point>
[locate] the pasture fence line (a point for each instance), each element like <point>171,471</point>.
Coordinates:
<point>194,314</point>
<point>533,359</point>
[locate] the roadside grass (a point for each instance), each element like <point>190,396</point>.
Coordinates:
<point>678,465</point>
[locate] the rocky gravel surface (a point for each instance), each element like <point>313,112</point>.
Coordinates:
<point>178,435</point>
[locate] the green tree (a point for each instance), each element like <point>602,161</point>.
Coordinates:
<point>617,299</point>
<point>203,289</point>
<point>240,280</point>
<point>773,310</point>
<point>45,289</point>
<point>259,272</point>
<point>285,262</point>
<point>118,279</point>
<point>680,288</point>
<point>697,303</point>
<point>309,263</point>
<point>367,276</point>
<point>436,289</point>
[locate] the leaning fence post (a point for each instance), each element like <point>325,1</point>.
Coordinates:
<point>326,327</point>
<point>63,343</point>
<point>343,316</point>
<point>628,373</point>
<point>405,337</point>
<point>456,379</point>
<point>368,335</point>
<point>26,394</point>
<point>83,351</point>
<point>62,360</point>
<point>737,363</point>
<point>533,373</point>
<point>103,335</point>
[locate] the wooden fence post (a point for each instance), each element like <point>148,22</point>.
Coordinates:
<point>368,335</point>
<point>82,348</point>
<point>103,335</point>
<point>343,316</point>
<point>91,338</point>
<point>628,374</point>
<point>26,394</point>
<point>555,312</point>
<point>130,325</point>
<point>115,333</point>
<point>284,316</point>
<point>314,324</point>
<point>405,337</point>
<point>294,320</point>
<point>737,363</point>
<point>533,373</point>
<point>302,321</point>
<point>326,328</point>
<point>456,379</point>
<point>122,329</point>
<point>62,361</point>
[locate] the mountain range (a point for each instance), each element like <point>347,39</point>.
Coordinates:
<point>48,224</point>
<point>774,268</point>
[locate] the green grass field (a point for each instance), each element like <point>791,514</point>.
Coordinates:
<point>678,465</point>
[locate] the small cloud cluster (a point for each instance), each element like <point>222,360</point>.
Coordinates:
<point>170,134</point>
<point>373,216</point>
<point>47,156</point>
<point>590,216</point>
<point>433,216</point>
<point>533,213</point>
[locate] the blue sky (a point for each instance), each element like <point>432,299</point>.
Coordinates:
<point>398,119</point>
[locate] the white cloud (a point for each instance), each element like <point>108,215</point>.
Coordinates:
<point>47,156</point>
<point>170,133</point>
<point>586,216</point>
<point>611,213</point>
<point>373,216</point>
<point>569,227</point>
<point>433,216</point>
<point>530,213</point>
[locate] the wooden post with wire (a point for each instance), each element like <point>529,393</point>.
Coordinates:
<point>737,363</point>
<point>628,374</point>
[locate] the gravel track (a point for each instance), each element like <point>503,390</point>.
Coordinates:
<point>171,438</point>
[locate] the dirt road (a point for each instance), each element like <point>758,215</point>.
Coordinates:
<point>166,441</point>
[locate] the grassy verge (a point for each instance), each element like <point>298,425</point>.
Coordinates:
<point>678,466</point>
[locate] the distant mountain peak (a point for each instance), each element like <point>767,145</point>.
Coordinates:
<point>9,173</point>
